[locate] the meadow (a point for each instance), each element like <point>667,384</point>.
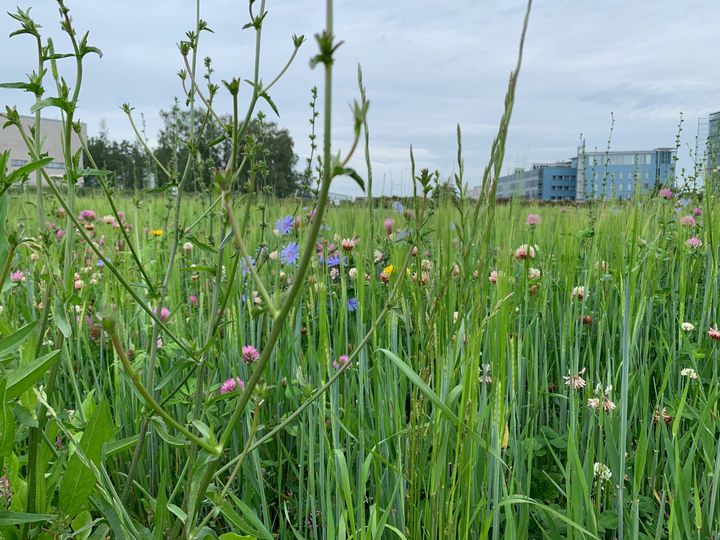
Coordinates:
<point>229,365</point>
<point>479,403</point>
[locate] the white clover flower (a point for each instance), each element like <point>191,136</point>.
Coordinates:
<point>602,472</point>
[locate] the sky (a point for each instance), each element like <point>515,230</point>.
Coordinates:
<point>427,67</point>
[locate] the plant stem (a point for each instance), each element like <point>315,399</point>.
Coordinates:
<point>110,327</point>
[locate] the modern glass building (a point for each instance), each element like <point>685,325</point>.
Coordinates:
<point>592,175</point>
<point>544,181</point>
<point>621,174</point>
<point>712,155</point>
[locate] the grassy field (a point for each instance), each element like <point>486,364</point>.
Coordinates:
<point>528,395</point>
<point>229,366</point>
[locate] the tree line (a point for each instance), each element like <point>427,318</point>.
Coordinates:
<point>268,148</point>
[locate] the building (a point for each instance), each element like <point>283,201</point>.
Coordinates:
<point>337,198</point>
<point>51,136</point>
<point>712,154</point>
<point>590,175</point>
<point>543,181</point>
<point>619,174</point>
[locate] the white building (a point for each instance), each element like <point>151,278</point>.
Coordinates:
<point>51,137</point>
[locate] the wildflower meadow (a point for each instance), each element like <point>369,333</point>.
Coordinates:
<point>233,365</point>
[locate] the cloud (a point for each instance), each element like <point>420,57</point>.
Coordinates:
<point>427,67</point>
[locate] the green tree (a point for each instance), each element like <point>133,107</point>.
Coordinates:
<point>269,150</point>
<point>127,161</point>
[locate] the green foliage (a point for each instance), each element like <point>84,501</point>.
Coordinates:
<point>268,147</point>
<point>78,481</point>
<point>129,165</point>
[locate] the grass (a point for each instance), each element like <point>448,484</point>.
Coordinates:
<point>412,440</point>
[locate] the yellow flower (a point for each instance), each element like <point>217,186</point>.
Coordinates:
<point>388,270</point>
<point>156,232</point>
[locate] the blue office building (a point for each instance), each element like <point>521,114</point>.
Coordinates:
<point>545,181</point>
<point>712,153</point>
<point>619,175</point>
<point>591,175</point>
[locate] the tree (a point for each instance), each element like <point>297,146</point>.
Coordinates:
<point>127,161</point>
<point>269,150</point>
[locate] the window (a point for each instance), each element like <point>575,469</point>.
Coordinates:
<point>51,165</point>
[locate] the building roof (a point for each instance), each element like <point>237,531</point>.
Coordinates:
<point>631,152</point>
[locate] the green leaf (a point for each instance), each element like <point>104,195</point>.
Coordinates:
<point>22,378</point>
<point>61,318</point>
<point>116,447</point>
<point>347,171</point>
<point>235,536</point>
<point>270,102</point>
<point>59,56</point>
<point>13,341</point>
<point>82,522</point>
<point>162,430</point>
<point>250,517</point>
<point>19,518</point>
<point>22,172</point>
<point>520,499</point>
<point>160,511</point>
<point>202,245</point>
<point>4,246</point>
<point>162,188</point>
<point>33,88</point>
<point>609,520</point>
<point>7,423</point>
<point>217,140</point>
<point>420,384</point>
<point>196,495</point>
<point>63,104</point>
<point>344,481</point>
<point>79,481</point>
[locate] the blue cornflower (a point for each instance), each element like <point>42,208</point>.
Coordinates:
<point>290,253</point>
<point>352,304</point>
<point>244,269</point>
<point>284,225</point>
<point>398,206</point>
<point>333,260</point>
<point>100,263</point>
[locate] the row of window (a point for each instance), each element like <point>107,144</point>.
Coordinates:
<point>620,159</point>
<point>562,177</point>
<point>632,176</point>
<point>619,187</point>
<point>51,165</point>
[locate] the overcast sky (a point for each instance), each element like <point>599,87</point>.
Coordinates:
<point>427,66</point>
